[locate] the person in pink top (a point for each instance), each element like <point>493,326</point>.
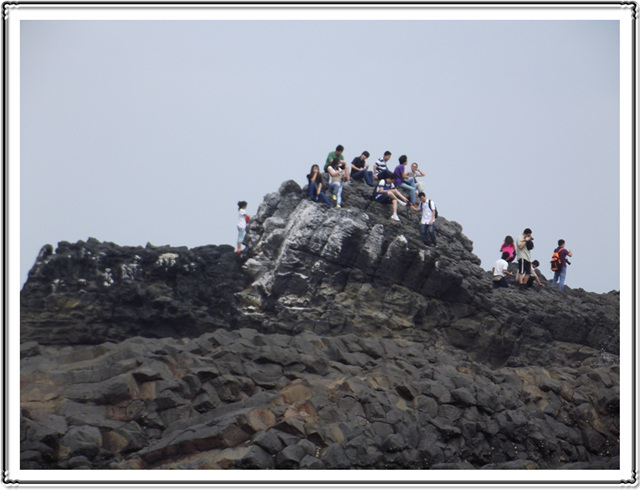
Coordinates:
<point>509,246</point>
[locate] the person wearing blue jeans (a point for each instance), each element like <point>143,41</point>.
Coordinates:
<point>560,275</point>
<point>360,169</point>
<point>315,185</point>
<point>402,179</point>
<point>335,184</point>
<point>427,229</point>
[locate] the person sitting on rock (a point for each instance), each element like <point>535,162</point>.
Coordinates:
<point>335,156</point>
<point>414,173</point>
<point>534,276</point>
<point>315,185</point>
<point>386,193</point>
<point>335,184</point>
<point>402,179</point>
<point>428,218</point>
<point>360,169</point>
<point>381,165</point>
<point>500,270</point>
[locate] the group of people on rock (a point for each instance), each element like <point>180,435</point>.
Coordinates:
<point>388,185</point>
<point>520,249</point>
<point>386,182</point>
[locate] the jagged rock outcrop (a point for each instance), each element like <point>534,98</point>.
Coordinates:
<point>336,340</point>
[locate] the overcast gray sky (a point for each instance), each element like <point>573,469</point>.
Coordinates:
<point>151,131</point>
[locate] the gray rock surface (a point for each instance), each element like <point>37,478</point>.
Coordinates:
<point>336,340</point>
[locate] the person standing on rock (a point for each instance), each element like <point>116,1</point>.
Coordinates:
<point>428,218</point>
<point>243,219</point>
<point>381,165</point>
<point>402,176</point>
<point>500,270</point>
<point>315,185</point>
<point>360,169</point>
<point>386,193</point>
<point>560,275</point>
<point>524,244</point>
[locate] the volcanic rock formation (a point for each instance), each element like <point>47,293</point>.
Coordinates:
<point>335,340</point>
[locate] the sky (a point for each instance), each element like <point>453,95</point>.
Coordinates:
<point>138,132</point>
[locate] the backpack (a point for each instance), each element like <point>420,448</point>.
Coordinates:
<point>556,263</point>
<point>433,207</point>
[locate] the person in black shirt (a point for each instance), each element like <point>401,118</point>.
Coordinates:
<point>360,169</point>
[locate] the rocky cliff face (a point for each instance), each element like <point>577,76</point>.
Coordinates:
<point>336,340</point>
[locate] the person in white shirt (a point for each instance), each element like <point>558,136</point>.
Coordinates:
<point>428,210</point>
<point>386,193</point>
<point>243,219</point>
<point>414,173</point>
<point>381,165</point>
<point>336,173</point>
<point>500,270</point>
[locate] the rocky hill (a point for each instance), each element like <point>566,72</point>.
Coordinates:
<point>335,340</point>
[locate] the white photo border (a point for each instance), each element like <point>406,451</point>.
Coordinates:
<point>15,12</point>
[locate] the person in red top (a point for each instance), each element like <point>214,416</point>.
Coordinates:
<point>560,275</point>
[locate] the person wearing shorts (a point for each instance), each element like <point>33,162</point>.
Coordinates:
<point>386,193</point>
<point>523,254</point>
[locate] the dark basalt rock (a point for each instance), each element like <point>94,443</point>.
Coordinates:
<point>336,340</point>
<point>92,292</point>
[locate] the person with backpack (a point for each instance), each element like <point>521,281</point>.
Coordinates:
<point>559,264</point>
<point>429,215</point>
